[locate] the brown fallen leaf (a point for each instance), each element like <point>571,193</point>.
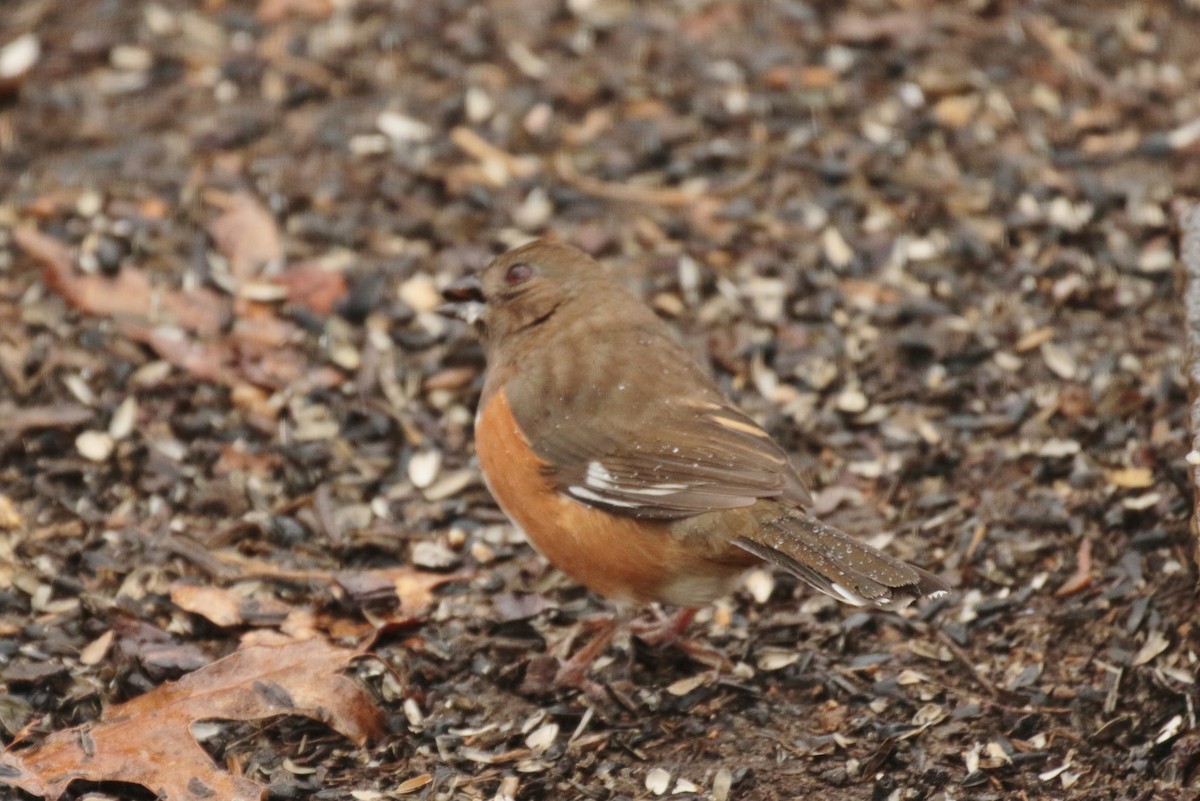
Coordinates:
<point>208,361</point>
<point>148,741</point>
<point>257,328</point>
<point>95,651</point>
<point>276,368</point>
<point>186,328</point>
<point>1082,577</point>
<point>130,294</point>
<point>217,604</point>
<point>246,234</point>
<point>228,606</point>
<point>413,588</point>
<point>260,406</point>
<point>63,415</point>
<point>313,287</point>
<point>235,459</point>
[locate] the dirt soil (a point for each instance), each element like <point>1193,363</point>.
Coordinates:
<point>929,245</point>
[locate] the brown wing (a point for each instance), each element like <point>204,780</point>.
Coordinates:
<point>681,464</point>
<point>637,427</point>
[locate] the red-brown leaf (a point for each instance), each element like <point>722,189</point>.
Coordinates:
<point>147,741</point>
<point>129,295</point>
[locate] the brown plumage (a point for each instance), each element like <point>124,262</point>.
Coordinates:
<point>622,460</point>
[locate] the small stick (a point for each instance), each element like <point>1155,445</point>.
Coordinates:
<point>1189,254</point>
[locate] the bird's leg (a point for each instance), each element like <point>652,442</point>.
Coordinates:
<point>664,629</point>
<point>661,632</point>
<point>572,671</point>
<point>668,630</point>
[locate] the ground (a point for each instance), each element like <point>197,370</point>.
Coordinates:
<point>929,246</point>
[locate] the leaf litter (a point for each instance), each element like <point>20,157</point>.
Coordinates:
<point>148,740</point>
<point>930,248</point>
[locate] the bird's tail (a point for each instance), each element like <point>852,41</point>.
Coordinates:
<point>834,562</point>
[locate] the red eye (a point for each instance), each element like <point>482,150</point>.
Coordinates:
<point>517,273</point>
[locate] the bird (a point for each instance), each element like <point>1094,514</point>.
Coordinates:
<point>619,456</point>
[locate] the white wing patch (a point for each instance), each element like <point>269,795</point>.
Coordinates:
<point>847,596</point>
<point>599,478</point>
<point>602,485</point>
<point>587,495</point>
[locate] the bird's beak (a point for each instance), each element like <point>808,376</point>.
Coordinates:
<point>465,300</point>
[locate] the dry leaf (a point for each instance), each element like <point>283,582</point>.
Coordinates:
<point>1082,576</point>
<point>148,741</point>
<point>315,288</point>
<point>413,588</point>
<point>216,604</point>
<point>258,330</point>
<point>130,294</point>
<point>246,234</point>
<point>204,360</point>
<point>1155,644</point>
<point>233,606</point>
<point>94,652</point>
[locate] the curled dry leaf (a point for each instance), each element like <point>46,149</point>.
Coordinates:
<point>148,740</point>
<point>1082,577</point>
<point>129,295</point>
<point>1155,644</point>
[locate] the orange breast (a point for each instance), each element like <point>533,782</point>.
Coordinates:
<point>624,558</point>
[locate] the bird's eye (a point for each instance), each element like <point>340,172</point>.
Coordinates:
<point>521,271</point>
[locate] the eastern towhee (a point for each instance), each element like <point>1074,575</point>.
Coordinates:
<point>624,463</point>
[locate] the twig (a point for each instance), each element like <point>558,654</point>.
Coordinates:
<point>1189,253</point>
<point>478,148</point>
<point>965,661</point>
<point>625,193</point>
<point>665,195</point>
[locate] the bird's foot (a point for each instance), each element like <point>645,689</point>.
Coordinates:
<point>664,629</point>
<point>668,631</point>
<point>572,670</point>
